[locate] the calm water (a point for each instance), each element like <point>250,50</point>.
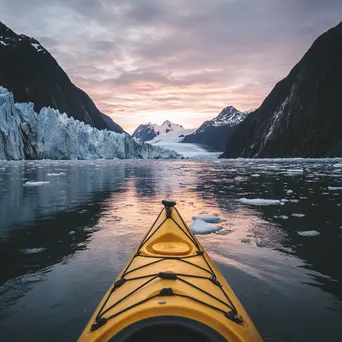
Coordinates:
<point>62,243</point>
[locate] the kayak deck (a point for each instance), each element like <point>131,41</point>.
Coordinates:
<point>171,276</point>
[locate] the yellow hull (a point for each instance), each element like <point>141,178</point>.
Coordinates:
<point>170,281</point>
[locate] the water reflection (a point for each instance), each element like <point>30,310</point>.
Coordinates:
<point>307,204</point>
<point>75,234</point>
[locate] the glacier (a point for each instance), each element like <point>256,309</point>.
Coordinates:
<point>24,134</point>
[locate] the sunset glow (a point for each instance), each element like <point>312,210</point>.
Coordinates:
<point>180,60</point>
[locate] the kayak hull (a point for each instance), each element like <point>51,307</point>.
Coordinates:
<point>172,286</point>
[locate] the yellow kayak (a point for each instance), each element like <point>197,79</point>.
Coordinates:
<point>170,290</point>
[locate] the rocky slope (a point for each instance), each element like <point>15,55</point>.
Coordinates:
<point>302,116</point>
<point>29,71</point>
<point>216,132</point>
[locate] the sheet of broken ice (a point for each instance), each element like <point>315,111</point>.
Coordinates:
<point>201,227</point>
<point>308,233</point>
<point>259,201</point>
<point>207,218</point>
<point>334,188</point>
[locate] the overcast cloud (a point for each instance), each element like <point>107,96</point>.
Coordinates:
<point>183,60</point>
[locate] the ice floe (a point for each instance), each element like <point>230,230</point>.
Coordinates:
<point>334,187</point>
<point>32,250</point>
<point>308,233</point>
<point>34,183</point>
<point>207,218</point>
<point>201,227</point>
<point>283,217</point>
<point>297,215</point>
<point>259,201</point>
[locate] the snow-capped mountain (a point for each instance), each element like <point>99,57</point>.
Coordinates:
<point>29,71</point>
<point>215,132</point>
<point>147,132</point>
<point>24,134</point>
<point>170,136</point>
<point>302,116</point>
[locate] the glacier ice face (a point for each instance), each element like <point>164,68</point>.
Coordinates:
<point>11,142</point>
<point>51,135</point>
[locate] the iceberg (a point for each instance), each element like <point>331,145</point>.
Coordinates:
<point>207,218</point>
<point>201,227</point>
<point>33,183</point>
<point>24,134</point>
<point>259,201</point>
<point>309,233</point>
<point>297,215</point>
<point>32,250</point>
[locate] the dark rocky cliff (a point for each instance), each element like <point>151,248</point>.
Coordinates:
<point>217,131</point>
<point>29,71</point>
<point>302,116</point>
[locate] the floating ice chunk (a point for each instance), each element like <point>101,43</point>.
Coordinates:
<point>283,200</point>
<point>337,165</point>
<point>295,170</point>
<point>297,215</point>
<point>255,175</point>
<point>207,218</point>
<point>259,201</point>
<point>334,187</point>
<point>201,227</point>
<point>309,233</point>
<point>56,174</point>
<point>72,232</point>
<point>32,250</point>
<point>289,192</point>
<point>284,217</point>
<point>32,183</point>
<point>294,200</point>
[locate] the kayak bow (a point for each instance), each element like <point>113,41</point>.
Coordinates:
<point>170,290</point>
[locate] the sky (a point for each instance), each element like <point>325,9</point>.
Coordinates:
<point>181,60</point>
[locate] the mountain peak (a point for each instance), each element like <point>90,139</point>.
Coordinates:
<point>147,132</point>
<point>216,131</point>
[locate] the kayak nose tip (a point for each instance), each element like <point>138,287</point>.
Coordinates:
<point>168,203</point>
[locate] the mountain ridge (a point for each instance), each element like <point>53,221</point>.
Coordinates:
<point>215,132</point>
<point>29,71</point>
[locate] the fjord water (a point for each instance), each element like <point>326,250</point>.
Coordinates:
<point>64,240</point>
